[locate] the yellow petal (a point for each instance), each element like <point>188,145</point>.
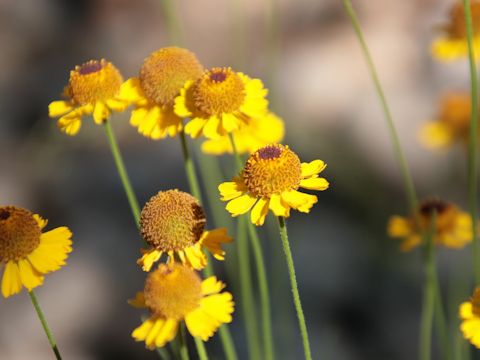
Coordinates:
<point>312,168</point>
<point>11,281</point>
<point>29,276</point>
<point>40,221</point>
<point>52,251</point>
<point>436,135</point>
<point>100,113</point>
<point>194,127</point>
<point>241,204</point>
<point>148,259</point>
<point>232,189</point>
<point>298,200</point>
<point>71,122</point>
<point>278,206</point>
<point>181,107</point>
<point>167,332</point>
<point>138,115</point>
<point>213,241</point>
<point>59,108</point>
<point>138,301</point>
<point>229,122</point>
<point>151,338</point>
<point>213,128</point>
<point>410,243</point>
<point>195,257</point>
<point>117,104</point>
<point>141,332</point>
<point>471,330</point>
<point>131,91</point>
<point>260,211</point>
<point>465,310</point>
<point>399,226</point>
<point>211,286</point>
<point>314,183</point>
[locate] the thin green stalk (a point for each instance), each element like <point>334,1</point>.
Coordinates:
<point>247,302</point>
<point>441,319</point>
<point>43,320</point>
<point>428,306</point>
<point>183,343</point>
<point>163,353</point>
<point>171,21</point>
<point>225,335</point>
<point>293,283</point>
<point>472,145</point>
<point>202,352</point>
<point>407,178</point>
<point>264,292</point>
<point>122,172</point>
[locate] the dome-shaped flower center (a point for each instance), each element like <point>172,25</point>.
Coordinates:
<point>219,90</point>
<point>94,81</point>
<point>19,233</point>
<point>166,71</point>
<point>446,214</point>
<point>172,220</point>
<point>455,112</point>
<point>457,28</point>
<point>172,291</point>
<point>272,170</point>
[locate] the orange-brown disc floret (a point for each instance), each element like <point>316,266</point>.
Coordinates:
<point>457,28</point>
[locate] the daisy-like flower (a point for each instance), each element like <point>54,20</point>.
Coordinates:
<point>220,102</point>
<point>452,124</point>
<point>452,44</point>
<point>162,75</point>
<point>95,87</point>
<point>175,293</point>
<point>270,180</point>
<point>470,316</point>
<point>258,133</point>
<point>173,222</point>
<point>453,226</point>
<point>27,253</point>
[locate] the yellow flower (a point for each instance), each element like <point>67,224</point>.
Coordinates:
<point>27,253</point>
<point>220,102</point>
<point>453,226</point>
<point>452,45</point>
<point>470,316</point>
<point>270,180</point>
<point>173,222</point>
<point>258,133</point>
<point>175,293</point>
<point>162,76</point>
<point>95,87</point>
<point>452,124</point>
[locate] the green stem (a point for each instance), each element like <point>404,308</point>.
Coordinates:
<point>238,159</point>
<point>43,320</point>
<point>122,172</point>
<point>247,303</point>
<point>202,352</point>
<point>183,343</point>
<point>171,21</point>
<point>264,292</point>
<point>293,283</point>
<point>407,178</point>
<point>472,145</point>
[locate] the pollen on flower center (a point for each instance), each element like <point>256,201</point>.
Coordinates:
<point>172,220</point>
<point>272,170</point>
<point>219,90</point>
<point>457,27</point>
<point>19,233</point>
<point>172,291</point>
<point>94,81</point>
<point>165,72</point>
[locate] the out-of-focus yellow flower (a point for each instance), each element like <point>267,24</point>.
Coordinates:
<point>175,293</point>
<point>470,316</point>
<point>453,226</point>
<point>95,87</point>
<point>28,253</point>
<point>220,102</point>
<point>258,133</point>
<point>270,180</point>
<point>162,75</point>
<point>173,222</point>
<point>452,124</point>
<point>452,44</point>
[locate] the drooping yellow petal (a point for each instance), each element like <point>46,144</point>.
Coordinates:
<point>399,226</point>
<point>312,168</point>
<point>181,107</point>
<point>314,183</point>
<point>471,330</point>
<point>59,108</point>
<point>100,113</point>
<point>138,115</point>
<point>232,189</point>
<point>131,91</point>
<point>40,221</point>
<point>29,276</point>
<point>70,123</point>
<point>410,243</point>
<point>167,332</point>
<point>229,122</point>
<point>278,207</point>
<point>213,128</point>
<point>211,286</point>
<point>151,338</point>
<point>194,127</point>
<point>148,258</point>
<point>260,211</point>
<point>465,310</point>
<point>213,241</point>
<point>141,332</point>
<point>116,104</point>
<point>52,250</point>
<point>195,257</point>
<point>298,200</point>
<point>241,204</point>
<point>138,301</point>
<point>436,135</point>
<point>11,281</point>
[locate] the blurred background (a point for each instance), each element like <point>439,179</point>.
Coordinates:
<point>362,297</point>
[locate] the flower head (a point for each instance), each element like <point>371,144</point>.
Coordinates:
<point>452,124</point>
<point>258,133</point>
<point>95,87</point>
<point>28,253</point>
<point>175,293</point>
<point>173,222</point>
<point>470,316</point>
<point>452,45</point>
<point>453,227</point>
<point>219,102</point>
<point>270,180</point>
<point>162,75</point>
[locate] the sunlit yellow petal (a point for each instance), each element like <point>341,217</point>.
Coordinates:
<point>213,128</point>
<point>40,221</point>
<point>241,204</point>
<point>11,281</point>
<point>314,183</point>
<point>465,310</point>
<point>399,226</point>
<point>29,276</point>
<point>213,241</point>
<point>298,200</point>
<point>278,206</point>
<point>148,259</point>
<point>232,189</point>
<point>312,168</point>
<point>59,108</point>
<point>52,250</point>
<point>212,286</point>
<point>100,113</point>
<point>435,134</point>
<point>194,127</point>
<point>260,211</point>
